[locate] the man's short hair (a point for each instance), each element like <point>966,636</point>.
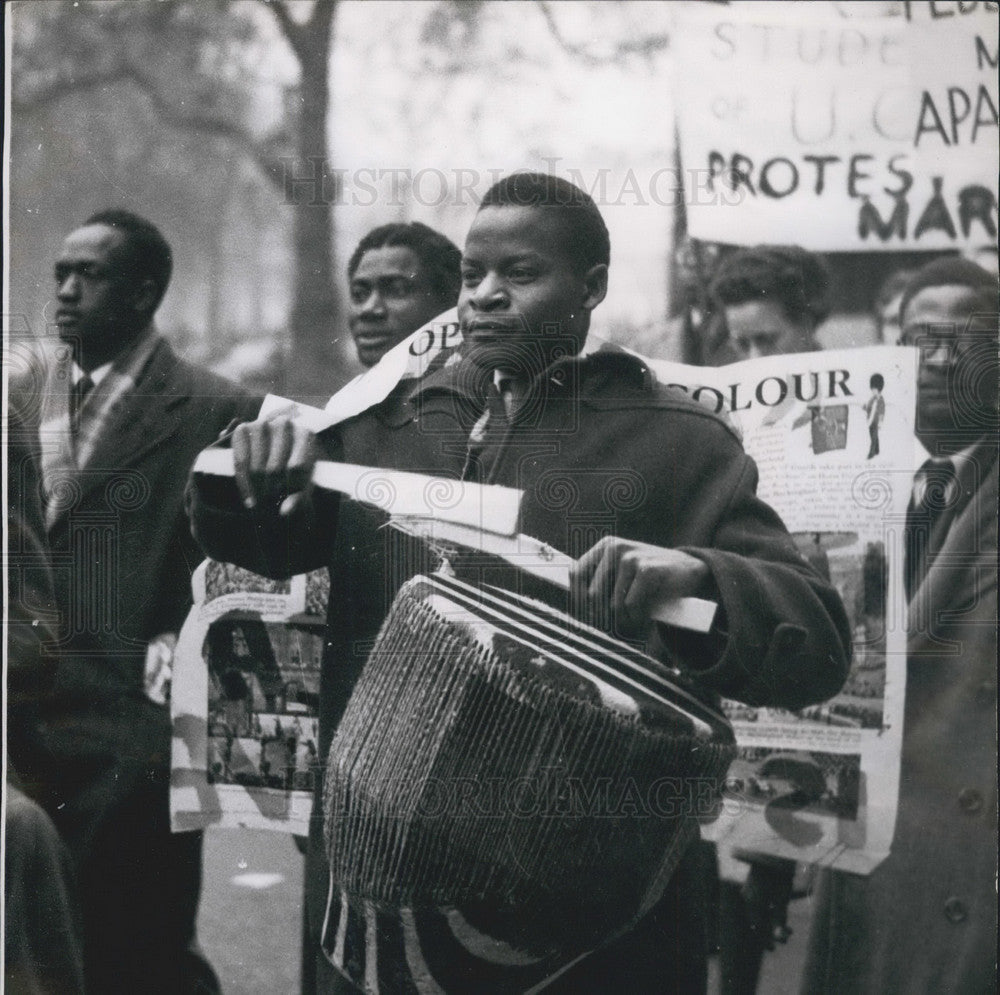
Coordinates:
<point>790,276</point>
<point>587,241</point>
<point>954,271</point>
<point>439,256</point>
<point>893,285</point>
<point>150,251</point>
<point>877,381</point>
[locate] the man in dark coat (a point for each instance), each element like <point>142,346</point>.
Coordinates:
<point>653,492</point>
<point>42,946</point>
<point>400,276</point>
<point>925,920</point>
<point>122,421</point>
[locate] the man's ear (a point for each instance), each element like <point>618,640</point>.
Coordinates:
<point>145,296</point>
<point>595,282</point>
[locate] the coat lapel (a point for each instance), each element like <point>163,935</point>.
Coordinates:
<point>143,419</point>
<point>965,568</point>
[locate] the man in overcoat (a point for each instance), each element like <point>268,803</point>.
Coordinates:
<point>121,423</point>
<point>926,919</point>
<point>42,945</point>
<point>651,491</point>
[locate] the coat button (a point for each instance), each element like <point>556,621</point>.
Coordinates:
<point>970,800</point>
<point>986,693</point>
<point>955,910</point>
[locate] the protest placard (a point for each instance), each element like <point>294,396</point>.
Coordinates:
<point>862,133</point>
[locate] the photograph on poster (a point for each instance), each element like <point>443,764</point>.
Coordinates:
<point>799,781</point>
<point>263,704</point>
<point>859,572</point>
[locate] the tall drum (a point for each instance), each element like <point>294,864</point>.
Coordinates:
<point>508,790</point>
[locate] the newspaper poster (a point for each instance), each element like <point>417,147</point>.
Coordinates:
<point>832,436</point>
<point>245,700</point>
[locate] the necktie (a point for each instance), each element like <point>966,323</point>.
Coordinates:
<point>495,414</point>
<point>928,518</point>
<point>507,387</point>
<point>77,396</point>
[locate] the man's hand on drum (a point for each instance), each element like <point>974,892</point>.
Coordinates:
<point>634,579</point>
<point>273,462</point>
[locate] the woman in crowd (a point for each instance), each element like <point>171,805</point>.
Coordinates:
<point>772,298</point>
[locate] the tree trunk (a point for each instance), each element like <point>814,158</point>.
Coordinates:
<point>316,366</point>
<point>216,286</point>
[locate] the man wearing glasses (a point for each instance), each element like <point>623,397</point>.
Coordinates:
<point>926,919</point>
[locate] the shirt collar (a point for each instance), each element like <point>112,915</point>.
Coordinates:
<point>96,375</point>
<point>501,376</point>
<point>128,360</point>
<point>968,463</point>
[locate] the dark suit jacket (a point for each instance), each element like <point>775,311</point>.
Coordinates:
<point>122,555</point>
<point>926,919</point>
<point>31,611</point>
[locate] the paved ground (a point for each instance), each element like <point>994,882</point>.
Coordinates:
<point>783,968</point>
<point>250,918</point>
<point>250,911</point>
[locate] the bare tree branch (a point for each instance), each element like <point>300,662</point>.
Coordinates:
<point>265,152</point>
<point>577,51</point>
<point>307,39</point>
<point>645,46</point>
<point>322,15</point>
<point>262,151</point>
<point>64,86</point>
<point>290,28</point>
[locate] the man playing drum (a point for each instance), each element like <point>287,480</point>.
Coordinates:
<point>650,491</point>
